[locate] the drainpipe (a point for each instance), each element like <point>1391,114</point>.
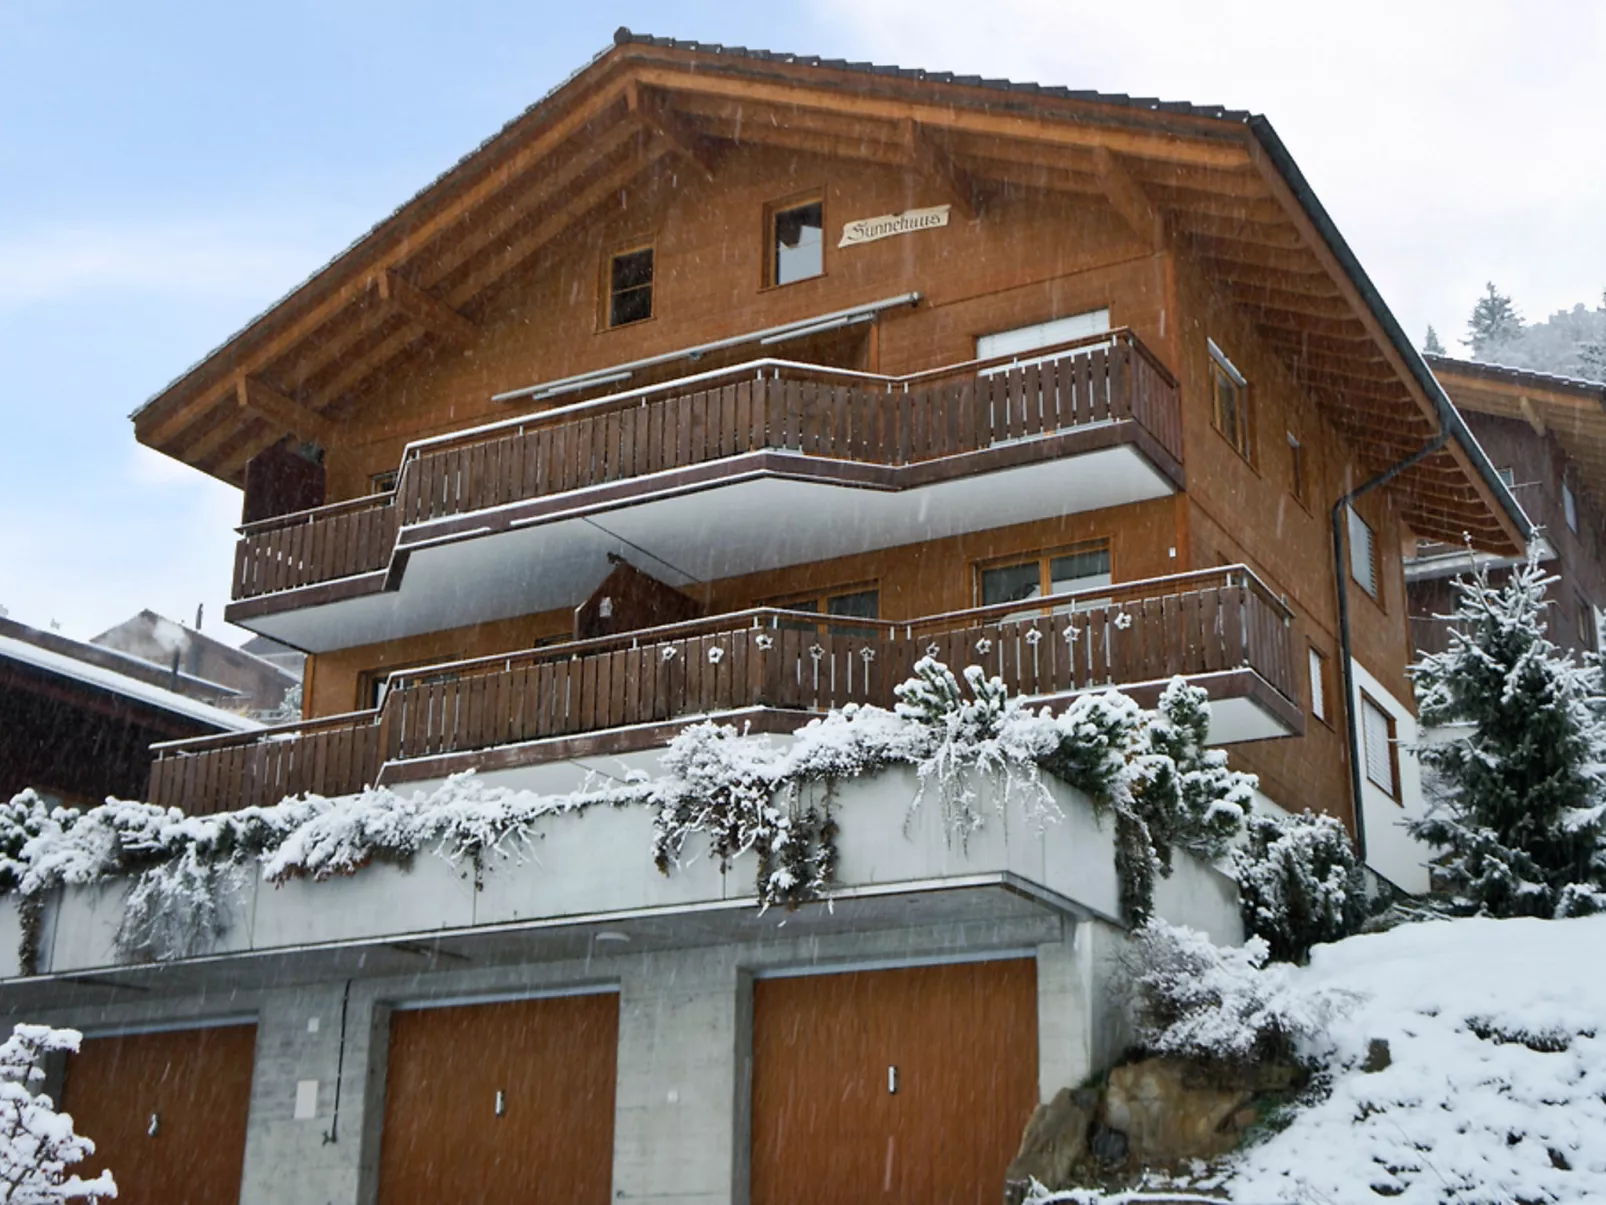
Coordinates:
<point>1341,575</point>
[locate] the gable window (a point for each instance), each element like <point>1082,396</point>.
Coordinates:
<point>1083,568</point>
<point>1362,553</point>
<point>382,483</point>
<point>1377,737</point>
<point>1318,684</point>
<point>797,242</point>
<point>1569,506</point>
<point>1229,400</point>
<point>1296,468</point>
<point>630,286</point>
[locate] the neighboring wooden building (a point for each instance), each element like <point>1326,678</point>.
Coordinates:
<point>729,383</point>
<point>258,684</point>
<point>1546,436</point>
<point>77,721</point>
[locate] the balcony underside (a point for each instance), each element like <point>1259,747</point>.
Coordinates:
<point>745,514</point>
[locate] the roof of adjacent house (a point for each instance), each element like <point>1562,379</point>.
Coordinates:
<point>1571,409</point>
<point>1215,181</point>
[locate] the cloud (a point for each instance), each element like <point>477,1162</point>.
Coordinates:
<point>1451,143</point>
<point>242,260</point>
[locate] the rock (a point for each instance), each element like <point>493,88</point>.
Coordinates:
<point>1171,1110</point>
<point>1108,1147</point>
<point>1055,1140</point>
<point>1378,1056</point>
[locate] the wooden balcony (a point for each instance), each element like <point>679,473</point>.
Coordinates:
<point>1223,629</point>
<point>800,421</point>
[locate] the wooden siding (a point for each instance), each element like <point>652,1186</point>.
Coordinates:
<point>812,412</point>
<point>195,1083</point>
<point>963,1040</point>
<point>552,1062</point>
<point>1191,624</point>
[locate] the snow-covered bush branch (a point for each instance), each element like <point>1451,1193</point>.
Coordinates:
<point>1299,883</point>
<point>37,1144</point>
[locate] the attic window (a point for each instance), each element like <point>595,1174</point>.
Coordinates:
<point>1229,395</point>
<point>630,287</point>
<point>797,242</point>
<point>1362,553</point>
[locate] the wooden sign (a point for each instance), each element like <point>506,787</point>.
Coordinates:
<point>869,230</point>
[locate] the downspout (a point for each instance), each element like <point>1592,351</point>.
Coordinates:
<point>1341,576</point>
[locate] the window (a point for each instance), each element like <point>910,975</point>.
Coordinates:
<point>797,242</point>
<point>1296,468</point>
<point>1508,477</point>
<point>1318,684</point>
<point>382,483</point>
<point>1025,339</point>
<point>1082,568</point>
<point>1586,622</point>
<point>630,287</point>
<point>1377,738</point>
<point>1569,506</point>
<point>1229,399</point>
<point>1362,553</point>
<point>859,603</point>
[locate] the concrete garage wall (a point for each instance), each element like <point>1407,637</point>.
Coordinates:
<point>599,862</point>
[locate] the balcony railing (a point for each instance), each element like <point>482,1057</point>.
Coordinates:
<point>764,406</point>
<point>1194,624</point>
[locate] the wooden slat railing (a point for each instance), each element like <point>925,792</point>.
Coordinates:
<point>1191,624</point>
<point>764,406</point>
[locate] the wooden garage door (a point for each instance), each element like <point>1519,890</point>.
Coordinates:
<point>196,1083</point>
<point>826,1127</point>
<point>552,1059</point>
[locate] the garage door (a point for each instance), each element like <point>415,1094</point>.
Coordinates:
<point>909,1085</point>
<point>167,1111</point>
<point>511,1101</point>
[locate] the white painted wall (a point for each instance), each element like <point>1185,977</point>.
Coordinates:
<point>1390,851</point>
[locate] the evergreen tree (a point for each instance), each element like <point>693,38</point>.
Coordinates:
<point>1521,813</point>
<point>1494,322</point>
<point>1431,345</point>
<point>1592,352</point>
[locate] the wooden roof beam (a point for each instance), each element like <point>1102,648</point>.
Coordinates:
<point>425,310</point>
<point>1130,201</point>
<point>264,401</point>
<point>937,166</point>
<point>654,112</point>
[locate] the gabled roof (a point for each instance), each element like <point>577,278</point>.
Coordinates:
<point>1213,183</point>
<point>1571,409</point>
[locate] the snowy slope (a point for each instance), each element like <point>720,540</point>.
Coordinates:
<point>1497,1087</point>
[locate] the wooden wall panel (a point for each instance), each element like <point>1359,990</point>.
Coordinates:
<point>197,1083</point>
<point>553,1059</point>
<point>963,1038</point>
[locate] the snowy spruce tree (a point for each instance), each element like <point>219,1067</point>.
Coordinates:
<point>1431,345</point>
<point>1521,808</point>
<point>1494,323</point>
<point>1299,883</point>
<point>37,1144</point>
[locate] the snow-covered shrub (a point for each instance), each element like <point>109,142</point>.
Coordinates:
<point>1521,807</point>
<point>21,820</point>
<point>1193,999</point>
<point>37,1144</point>
<point>1299,883</point>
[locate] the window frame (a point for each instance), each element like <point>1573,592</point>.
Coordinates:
<point>1588,632</point>
<point>820,601</point>
<point>369,680</point>
<point>1569,505</point>
<point>771,243</point>
<point>1223,369</point>
<point>1321,684</point>
<point>383,483</point>
<point>606,291</point>
<point>1392,790</point>
<point>1045,560</point>
<point>1375,591</point>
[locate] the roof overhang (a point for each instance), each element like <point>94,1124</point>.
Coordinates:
<point>1207,184</point>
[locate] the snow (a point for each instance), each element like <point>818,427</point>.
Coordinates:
<point>105,679</point>
<point>38,1144</point>
<point>1497,1087</point>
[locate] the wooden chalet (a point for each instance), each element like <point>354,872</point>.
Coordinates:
<point>727,383</point>
<point>1546,436</point>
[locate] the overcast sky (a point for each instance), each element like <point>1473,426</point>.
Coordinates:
<point>167,171</point>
